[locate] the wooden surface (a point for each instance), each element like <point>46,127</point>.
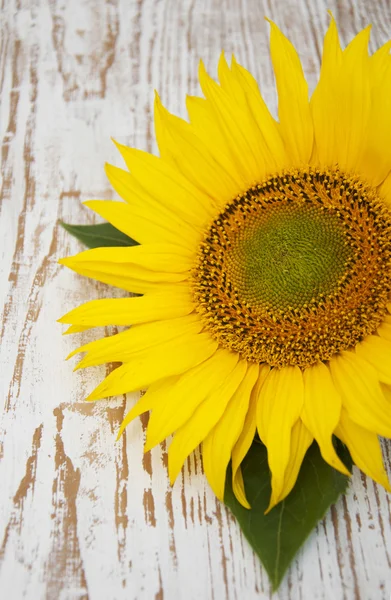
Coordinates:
<point>81,516</point>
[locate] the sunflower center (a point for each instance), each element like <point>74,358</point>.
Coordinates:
<point>296,269</point>
<point>288,255</point>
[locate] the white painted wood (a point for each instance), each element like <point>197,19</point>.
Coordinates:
<point>81,516</point>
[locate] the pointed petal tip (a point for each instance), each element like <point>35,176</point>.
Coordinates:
<point>274,500</point>
<point>70,330</point>
<point>204,78</point>
<point>71,354</point>
<point>382,479</point>
<point>78,366</point>
<point>172,477</point>
<point>272,504</point>
<point>339,466</point>
<point>120,147</point>
<point>386,484</point>
<point>147,447</point>
<point>272,24</point>
<point>201,67</point>
<point>91,203</point>
<point>223,58</point>
<point>93,396</point>
<point>160,110</point>
<point>234,62</point>
<point>157,101</point>
<point>367,31</point>
<point>99,393</point>
<point>219,494</point>
<point>109,168</point>
<point>241,498</point>
<point>120,432</point>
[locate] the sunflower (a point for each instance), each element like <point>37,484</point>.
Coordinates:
<point>262,273</point>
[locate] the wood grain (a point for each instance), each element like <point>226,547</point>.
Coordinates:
<point>81,516</point>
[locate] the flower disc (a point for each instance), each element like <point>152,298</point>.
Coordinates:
<point>296,269</point>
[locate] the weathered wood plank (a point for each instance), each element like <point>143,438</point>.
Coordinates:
<point>82,516</point>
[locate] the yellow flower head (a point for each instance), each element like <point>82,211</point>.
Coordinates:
<point>263,268</point>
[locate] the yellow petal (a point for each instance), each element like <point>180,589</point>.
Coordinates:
<point>206,127</point>
<point>177,406</point>
<point>376,160</point>
<point>179,145</point>
<point>137,268</point>
<point>128,345</point>
<point>75,329</point>
<point>358,384</point>
<point>208,413</point>
<point>354,103</point>
<point>246,437</point>
<point>321,411</point>
<point>301,440</point>
<point>154,257</point>
<point>168,187</point>
<point>279,406</point>
<point>240,131</point>
<point>275,154</point>
<point>380,64</point>
<point>261,130</point>
<point>167,303</point>
<point>150,220</point>
<point>230,84</point>
<point>385,329</point>
<point>217,447</point>
<point>293,103</point>
<point>238,488</point>
<point>170,358</point>
<point>377,351</point>
<point>364,447</point>
<point>341,102</point>
<point>147,401</point>
<point>119,214</point>
<point>324,102</point>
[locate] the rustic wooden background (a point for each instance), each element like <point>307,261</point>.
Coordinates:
<point>81,516</point>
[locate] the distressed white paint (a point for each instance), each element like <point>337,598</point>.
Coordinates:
<point>81,516</point>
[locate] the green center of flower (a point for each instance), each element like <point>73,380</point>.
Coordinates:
<point>288,256</point>
<point>296,269</point>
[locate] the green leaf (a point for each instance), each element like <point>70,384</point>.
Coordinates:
<point>277,536</point>
<point>100,235</point>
